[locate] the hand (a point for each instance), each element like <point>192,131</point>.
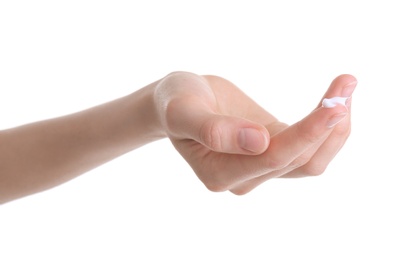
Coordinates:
<point>233,144</point>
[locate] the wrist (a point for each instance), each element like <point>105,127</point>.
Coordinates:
<point>148,122</point>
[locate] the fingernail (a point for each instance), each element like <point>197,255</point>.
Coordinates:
<point>348,89</point>
<point>334,120</point>
<point>252,140</point>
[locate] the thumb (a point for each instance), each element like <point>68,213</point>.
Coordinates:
<point>229,134</point>
<point>219,133</point>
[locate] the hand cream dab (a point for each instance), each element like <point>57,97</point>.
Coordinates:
<point>332,102</point>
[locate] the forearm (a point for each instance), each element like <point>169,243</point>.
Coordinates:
<point>44,154</point>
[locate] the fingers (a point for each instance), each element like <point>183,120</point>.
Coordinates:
<point>289,144</point>
<point>288,149</point>
<point>320,160</point>
<point>288,171</point>
<point>315,159</point>
<point>344,86</point>
<point>298,138</point>
<point>300,149</point>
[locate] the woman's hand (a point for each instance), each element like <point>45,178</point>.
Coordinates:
<point>234,144</point>
<point>229,140</point>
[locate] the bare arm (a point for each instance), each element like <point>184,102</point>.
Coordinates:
<point>41,155</point>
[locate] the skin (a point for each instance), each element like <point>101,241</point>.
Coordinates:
<point>230,142</point>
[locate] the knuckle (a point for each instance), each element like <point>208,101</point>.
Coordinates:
<point>276,164</point>
<point>241,191</point>
<point>314,169</point>
<point>214,180</point>
<point>300,161</point>
<point>211,135</point>
<point>175,74</point>
<point>182,79</point>
<point>216,186</point>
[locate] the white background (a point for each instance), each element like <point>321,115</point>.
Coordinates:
<point>58,57</point>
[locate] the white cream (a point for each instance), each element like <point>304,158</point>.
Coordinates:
<point>332,102</point>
